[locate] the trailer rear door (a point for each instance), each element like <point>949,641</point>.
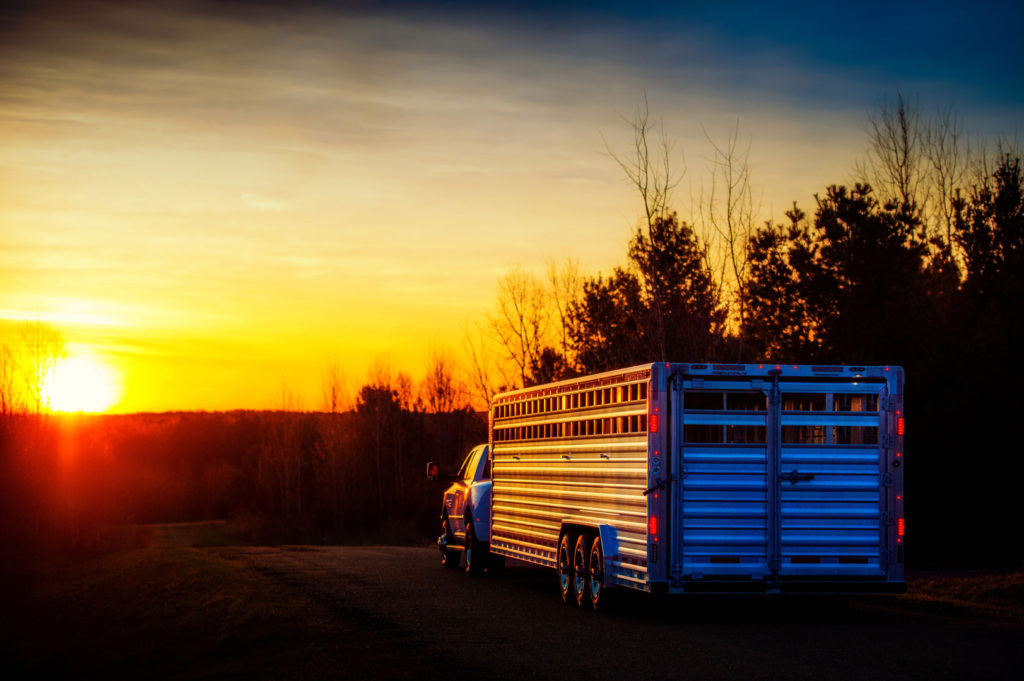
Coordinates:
<point>779,477</point>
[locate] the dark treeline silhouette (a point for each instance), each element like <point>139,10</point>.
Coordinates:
<point>278,476</point>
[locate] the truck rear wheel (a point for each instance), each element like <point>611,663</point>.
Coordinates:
<point>580,556</point>
<point>565,573</point>
<point>449,558</point>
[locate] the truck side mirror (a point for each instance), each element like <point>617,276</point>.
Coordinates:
<point>431,471</point>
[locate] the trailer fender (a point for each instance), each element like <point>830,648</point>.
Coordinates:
<point>610,548</point>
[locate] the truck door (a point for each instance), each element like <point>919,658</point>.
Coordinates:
<point>721,497</point>
<point>455,496</point>
<point>830,468</point>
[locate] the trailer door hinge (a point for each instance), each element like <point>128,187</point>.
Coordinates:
<point>886,479</point>
<point>676,573</point>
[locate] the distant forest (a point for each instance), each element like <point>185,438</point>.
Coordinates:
<point>354,477</point>
<point>916,262</point>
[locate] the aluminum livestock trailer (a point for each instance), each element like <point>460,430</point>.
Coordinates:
<point>679,478</point>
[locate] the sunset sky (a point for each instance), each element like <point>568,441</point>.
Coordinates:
<point>213,199</point>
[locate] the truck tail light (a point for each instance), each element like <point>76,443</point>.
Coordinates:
<point>652,422</point>
<point>899,426</point>
<point>652,526</point>
<point>900,527</point>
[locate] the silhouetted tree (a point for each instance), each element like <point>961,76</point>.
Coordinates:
<point>672,266</point>
<point>860,266</point>
<point>608,327</point>
<point>777,326</point>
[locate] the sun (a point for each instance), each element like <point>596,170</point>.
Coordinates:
<point>82,383</point>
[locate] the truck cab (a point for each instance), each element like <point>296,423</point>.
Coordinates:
<point>466,512</point>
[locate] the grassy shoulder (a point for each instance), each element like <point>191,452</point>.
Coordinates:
<point>995,594</point>
<point>159,612</point>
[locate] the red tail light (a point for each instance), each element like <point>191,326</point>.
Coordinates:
<point>652,422</point>
<point>900,527</point>
<point>899,426</point>
<point>652,525</point>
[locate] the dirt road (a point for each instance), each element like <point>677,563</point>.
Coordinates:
<point>399,614</point>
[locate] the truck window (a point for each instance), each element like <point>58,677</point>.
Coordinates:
<point>468,466</point>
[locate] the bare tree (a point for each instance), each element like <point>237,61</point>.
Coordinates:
<point>650,172</point>
<point>895,164</point>
<point>43,348</point>
<point>565,283</point>
<point>333,388</point>
<point>9,398</point>
<point>520,322</point>
<point>442,392</point>
<point>947,154</point>
<point>486,375</point>
<point>330,445</point>
<point>728,214</point>
<point>281,452</point>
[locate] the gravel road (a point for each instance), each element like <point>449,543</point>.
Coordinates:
<point>400,615</point>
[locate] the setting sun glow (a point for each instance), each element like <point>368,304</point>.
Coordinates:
<point>82,383</point>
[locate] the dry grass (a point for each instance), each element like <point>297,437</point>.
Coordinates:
<point>997,594</point>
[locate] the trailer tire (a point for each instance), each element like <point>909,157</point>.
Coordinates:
<point>595,576</point>
<point>564,565</point>
<point>580,556</point>
<point>476,553</point>
<point>449,557</point>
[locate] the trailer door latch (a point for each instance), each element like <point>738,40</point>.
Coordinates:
<point>661,484</point>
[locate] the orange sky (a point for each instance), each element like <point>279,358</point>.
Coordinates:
<point>213,203</point>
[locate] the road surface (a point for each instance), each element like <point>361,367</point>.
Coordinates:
<point>400,615</point>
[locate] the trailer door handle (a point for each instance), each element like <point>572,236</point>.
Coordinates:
<point>794,477</point>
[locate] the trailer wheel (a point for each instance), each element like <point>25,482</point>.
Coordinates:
<point>476,553</point>
<point>449,558</point>
<point>595,576</point>
<point>565,575</point>
<point>579,570</point>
